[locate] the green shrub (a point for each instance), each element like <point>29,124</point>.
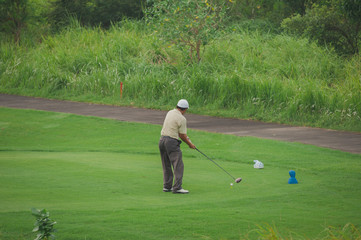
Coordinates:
<point>43,225</point>
<point>330,23</point>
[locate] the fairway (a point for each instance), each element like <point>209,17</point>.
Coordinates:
<point>102,179</point>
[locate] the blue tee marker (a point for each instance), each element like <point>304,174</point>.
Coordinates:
<point>292,179</point>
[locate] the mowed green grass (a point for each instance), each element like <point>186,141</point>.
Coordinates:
<point>102,179</point>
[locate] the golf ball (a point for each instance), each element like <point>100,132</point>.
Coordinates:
<point>231,184</point>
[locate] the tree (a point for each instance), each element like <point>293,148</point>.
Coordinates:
<point>94,12</point>
<point>272,10</point>
<point>334,22</point>
<point>62,10</point>
<point>353,10</point>
<point>13,17</point>
<point>187,23</point>
<point>110,11</point>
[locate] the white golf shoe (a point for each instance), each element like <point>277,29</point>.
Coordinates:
<point>167,189</point>
<point>183,191</point>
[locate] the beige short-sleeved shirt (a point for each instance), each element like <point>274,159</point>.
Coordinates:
<point>174,123</point>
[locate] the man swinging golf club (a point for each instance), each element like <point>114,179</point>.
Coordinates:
<point>174,127</point>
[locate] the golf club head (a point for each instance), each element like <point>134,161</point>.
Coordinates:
<point>238,180</point>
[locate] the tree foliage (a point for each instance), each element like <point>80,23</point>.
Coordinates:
<point>333,22</point>
<point>19,16</point>
<point>191,24</point>
<point>353,9</point>
<point>62,10</point>
<point>106,12</point>
<point>184,23</point>
<point>13,17</point>
<point>94,12</point>
<point>273,10</point>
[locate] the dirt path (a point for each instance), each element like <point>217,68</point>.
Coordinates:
<point>344,141</point>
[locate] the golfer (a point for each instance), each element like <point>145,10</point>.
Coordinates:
<point>174,127</point>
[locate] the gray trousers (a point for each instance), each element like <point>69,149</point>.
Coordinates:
<point>171,155</point>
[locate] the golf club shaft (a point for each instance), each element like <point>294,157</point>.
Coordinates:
<point>216,164</point>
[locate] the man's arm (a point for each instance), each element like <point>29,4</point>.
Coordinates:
<point>186,139</point>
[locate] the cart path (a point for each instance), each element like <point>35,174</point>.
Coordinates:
<point>339,140</point>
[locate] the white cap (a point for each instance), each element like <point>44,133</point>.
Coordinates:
<point>183,103</point>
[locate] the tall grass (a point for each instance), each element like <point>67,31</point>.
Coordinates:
<point>270,232</point>
<point>244,74</point>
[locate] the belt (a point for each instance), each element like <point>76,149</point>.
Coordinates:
<point>170,138</point>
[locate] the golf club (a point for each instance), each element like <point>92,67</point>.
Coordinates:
<point>237,180</point>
